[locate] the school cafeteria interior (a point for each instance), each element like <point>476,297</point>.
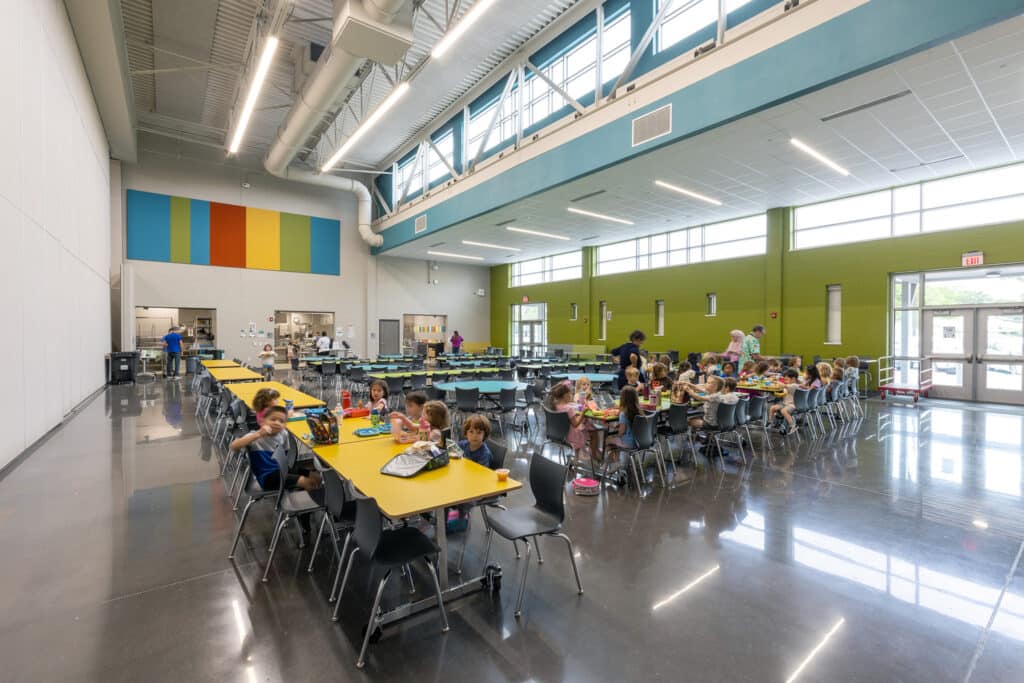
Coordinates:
<point>513,340</point>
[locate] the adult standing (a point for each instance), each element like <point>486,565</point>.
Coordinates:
<point>629,354</point>
<point>172,347</point>
<point>456,342</point>
<point>323,344</point>
<point>751,348</point>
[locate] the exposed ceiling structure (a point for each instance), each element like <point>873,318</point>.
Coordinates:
<point>187,60</point>
<point>955,107</point>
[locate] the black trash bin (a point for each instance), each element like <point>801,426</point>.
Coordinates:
<point>123,367</point>
<point>191,365</point>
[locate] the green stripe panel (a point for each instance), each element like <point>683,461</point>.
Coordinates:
<point>295,243</point>
<point>181,230</point>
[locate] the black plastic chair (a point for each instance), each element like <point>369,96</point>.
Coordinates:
<point>644,435</point>
<point>341,513</point>
<point>467,402</point>
<point>678,425</point>
<point>757,415</point>
<point>387,549</point>
<point>545,518</point>
<point>435,394</point>
<point>742,418</point>
<point>396,385</point>
<point>801,408</point>
<point>417,382</point>
<point>556,431</point>
<point>290,503</point>
<point>508,405</point>
<point>506,375</point>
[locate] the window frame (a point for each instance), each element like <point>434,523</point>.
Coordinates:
<point>546,270</point>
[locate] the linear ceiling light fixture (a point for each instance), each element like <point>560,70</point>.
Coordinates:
<point>464,25</point>
<point>370,121</point>
<point>810,151</point>
<point>269,48</point>
<point>688,193</point>
<point>594,214</point>
<point>538,233</point>
<point>451,255</point>
<point>489,246</point>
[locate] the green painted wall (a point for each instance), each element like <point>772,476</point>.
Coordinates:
<point>791,283</point>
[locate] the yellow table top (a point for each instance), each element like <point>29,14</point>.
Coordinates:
<point>246,391</point>
<point>462,481</point>
<point>777,389</point>
<point>220,364</point>
<point>234,374</point>
<point>345,431</point>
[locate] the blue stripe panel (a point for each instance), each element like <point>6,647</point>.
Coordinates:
<point>200,233</point>
<point>149,226</point>
<point>325,246</point>
<point>872,35</point>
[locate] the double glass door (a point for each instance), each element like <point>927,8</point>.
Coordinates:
<point>976,353</point>
<point>529,330</point>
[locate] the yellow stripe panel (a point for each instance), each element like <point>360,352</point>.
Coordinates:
<point>262,239</point>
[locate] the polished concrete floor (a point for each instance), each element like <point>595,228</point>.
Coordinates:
<point>898,535</point>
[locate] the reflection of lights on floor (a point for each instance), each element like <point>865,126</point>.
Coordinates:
<point>686,588</point>
<point>980,523</point>
<point>239,623</point>
<point>814,652</point>
<point>251,673</point>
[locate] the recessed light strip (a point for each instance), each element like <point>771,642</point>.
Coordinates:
<point>537,233</point>
<point>814,652</point>
<point>489,246</point>
<point>269,48</point>
<point>594,214</point>
<point>810,151</point>
<point>451,255</point>
<point>367,124</point>
<point>688,193</point>
<point>454,34</point>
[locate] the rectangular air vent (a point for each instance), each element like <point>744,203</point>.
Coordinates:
<point>421,224</point>
<point>652,125</point>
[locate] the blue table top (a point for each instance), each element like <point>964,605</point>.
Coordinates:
<point>485,386</point>
<point>377,367</point>
<point>596,377</point>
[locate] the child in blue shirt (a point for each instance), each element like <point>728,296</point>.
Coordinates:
<point>261,445</point>
<point>477,429</point>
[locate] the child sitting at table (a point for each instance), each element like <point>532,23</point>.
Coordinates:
<point>666,360</point>
<point>711,397</point>
<point>774,366</point>
<point>659,377</point>
<point>761,370</point>
<point>729,370</point>
<point>686,373</point>
<point>263,399</point>
<point>748,370</point>
<point>795,362</point>
<point>633,378</point>
<point>812,378</point>
<point>436,413</point>
<point>709,365</point>
<point>852,369</point>
<point>584,395</point>
<point>261,445</point>
<point>560,399</point>
<point>409,423</point>
<point>379,396</point>
<point>788,404</point>
<point>839,363</point>
<point>476,430</point>
<point>629,408</point>
<point>680,394</point>
<point>825,372</point>
<point>267,355</point>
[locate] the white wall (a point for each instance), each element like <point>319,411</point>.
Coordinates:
<point>401,286</point>
<point>242,295</point>
<point>54,223</point>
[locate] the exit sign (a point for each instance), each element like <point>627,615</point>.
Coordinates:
<point>972,258</point>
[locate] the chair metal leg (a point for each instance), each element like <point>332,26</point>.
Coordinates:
<point>282,522</point>
<point>572,558</point>
<point>241,484</point>
<point>540,558</point>
<point>316,543</point>
<point>522,582</point>
<point>341,563</point>
<point>407,573</point>
<point>344,580</point>
<point>371,625</point>
<point>238,531</point>
<point>302,536</point>
<point>440,598</point>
